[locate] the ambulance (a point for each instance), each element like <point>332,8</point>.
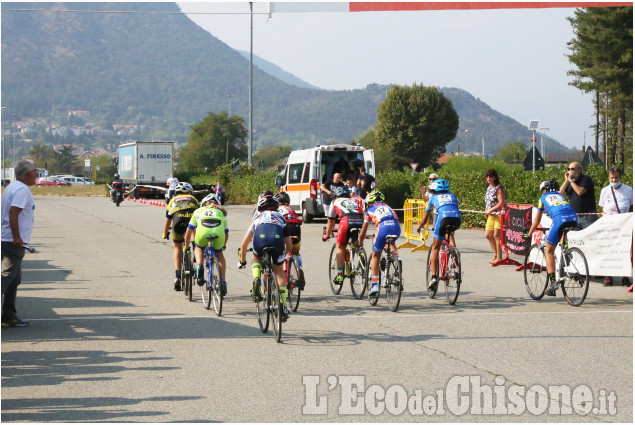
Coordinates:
<point>307,169</point>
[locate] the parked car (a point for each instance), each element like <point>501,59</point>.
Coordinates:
<point>76,180</point>
<point>51,181</point>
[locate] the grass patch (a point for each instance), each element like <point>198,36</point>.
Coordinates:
<point>97,190</point>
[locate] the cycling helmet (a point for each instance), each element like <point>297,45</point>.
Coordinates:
<point>440,185</point>
<point>266,201</point>
<point>116,176</point>
<point>375,196</point>
<point>184,187</point>
<point>282,198</point>
<point>549,186</point>
<point>210,199</point>
<point>342,191</point>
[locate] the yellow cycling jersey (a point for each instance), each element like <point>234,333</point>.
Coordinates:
<point>181,202</point>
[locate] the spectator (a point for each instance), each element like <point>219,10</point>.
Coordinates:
<point>350,183</point>
<point>171,185</point>
<point>342,167</point>
<point>328,189</point>
<point>218,189</point>
<point>494,201</point>
<point>18,212</point>
<point>581,192</point>
<point>365,182</point>
<point>616,198</point>
<point>425,190</point>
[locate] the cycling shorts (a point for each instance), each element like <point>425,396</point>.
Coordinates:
<point>269,235</point>
<point>202,232</point>
<point>347,223</point>
<point>180,220</point>
<point>559,223</point>
<point>386,228</point>
<point>441,228</point>
<point>295,231</point>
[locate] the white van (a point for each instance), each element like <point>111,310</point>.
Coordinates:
<point>307,169</point>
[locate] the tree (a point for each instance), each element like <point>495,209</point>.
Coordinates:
<point>512,152</point>
<point>66,160</point>
<point>213,140</point>
<point>415,123</point>
<point>602,51</point>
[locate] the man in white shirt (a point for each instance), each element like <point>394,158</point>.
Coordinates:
<point>616,198</point>
<point>171,184</point>
<point>18,212</point>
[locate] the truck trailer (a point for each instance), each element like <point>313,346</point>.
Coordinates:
<point>145,167</point>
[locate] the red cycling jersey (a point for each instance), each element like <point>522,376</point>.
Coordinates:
<point>289,214</point>
<point>351,214</point>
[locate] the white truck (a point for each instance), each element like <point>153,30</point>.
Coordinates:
<point>307,169</point>
<point>145,167</point>
<point>8,175</point>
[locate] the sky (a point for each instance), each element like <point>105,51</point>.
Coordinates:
<point>513,60</point>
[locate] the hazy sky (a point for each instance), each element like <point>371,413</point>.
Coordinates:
<point>513,60</point>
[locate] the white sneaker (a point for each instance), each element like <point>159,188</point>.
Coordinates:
<point>373,289</point>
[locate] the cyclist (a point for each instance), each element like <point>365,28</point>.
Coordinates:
<point>351,215</point>
<point>267,229</point>
<point>210,219</point>
<point>294,230</point>
<point>447,207</point>
<point>562,215</point>
<point>178,213</point>
<point>387,222</point>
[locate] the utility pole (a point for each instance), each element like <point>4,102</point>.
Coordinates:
<point>251,83</point>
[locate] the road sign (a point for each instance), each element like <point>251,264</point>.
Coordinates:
<point>414,166</point>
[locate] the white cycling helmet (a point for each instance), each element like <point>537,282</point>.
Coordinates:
<point>184,187</point>
<point>210,199</point>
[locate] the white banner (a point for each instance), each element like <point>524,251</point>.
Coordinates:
<point>606,245</point>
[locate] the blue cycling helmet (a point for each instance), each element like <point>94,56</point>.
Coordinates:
<point>342,191</point>
<point>440,185</point>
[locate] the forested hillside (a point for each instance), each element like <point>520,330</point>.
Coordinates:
<point>157,69</point>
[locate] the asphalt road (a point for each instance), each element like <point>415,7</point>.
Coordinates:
<point>111,341</point>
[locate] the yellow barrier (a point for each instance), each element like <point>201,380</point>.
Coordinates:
<point>414,209</point>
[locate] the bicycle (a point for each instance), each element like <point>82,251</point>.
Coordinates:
<point>391,279</point>
<point>214,290</point>
<point>355,266</point>
<point>295,284</point>
<point>187,272</point>
<point>269,303</point>
<point>449,268</point>
<point>572,270</point>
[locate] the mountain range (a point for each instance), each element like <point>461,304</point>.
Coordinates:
<point>148,64</point>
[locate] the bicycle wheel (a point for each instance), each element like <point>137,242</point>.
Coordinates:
<point>431,293</point>
<point>275,308</point>
<point>206,289</point>
<point>575,271</point>
<point>186,273</point>
<point>453,282</point>
<point>262,306</point>
<point>336,288</point>
<point>394,283</point>
<point>535,271</point>
<point>358,273</point>
<point>217,287</point>
<point>293,286</point>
